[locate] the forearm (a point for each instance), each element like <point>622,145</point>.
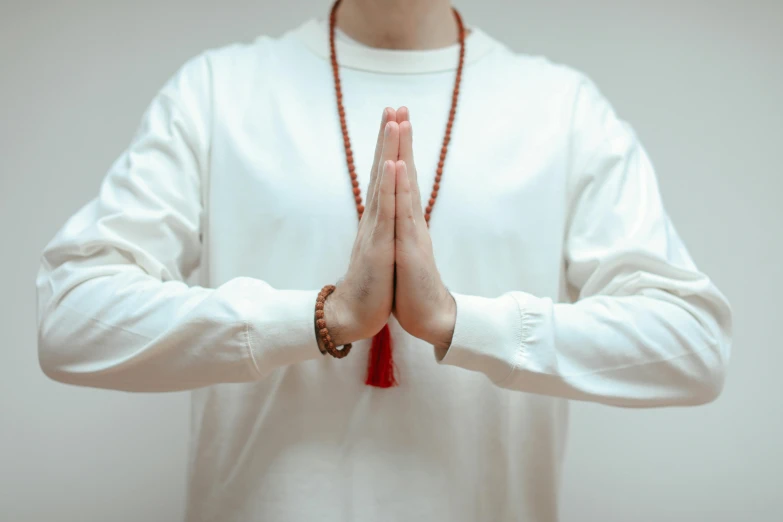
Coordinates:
<point>644,350</point>
<point>129,331</point>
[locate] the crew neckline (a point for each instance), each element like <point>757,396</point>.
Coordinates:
<point>315,35</point>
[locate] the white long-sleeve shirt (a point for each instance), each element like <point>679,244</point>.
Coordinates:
<point>198,264</point>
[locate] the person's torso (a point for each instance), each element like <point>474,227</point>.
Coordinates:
<point>311,441</point>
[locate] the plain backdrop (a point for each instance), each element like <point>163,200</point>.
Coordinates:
<point>701,81</point>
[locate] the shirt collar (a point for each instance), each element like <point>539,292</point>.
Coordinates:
<point>315,35</point>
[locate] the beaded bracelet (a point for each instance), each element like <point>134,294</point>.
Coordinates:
<point>323,331</point>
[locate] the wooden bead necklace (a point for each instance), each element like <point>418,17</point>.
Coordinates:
<point>341,112</point>
<point>381,367</point>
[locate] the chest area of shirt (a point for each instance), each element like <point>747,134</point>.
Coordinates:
<point>282,174</point>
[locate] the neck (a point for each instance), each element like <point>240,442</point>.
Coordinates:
<point>398,24</point>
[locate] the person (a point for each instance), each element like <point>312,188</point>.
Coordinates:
<point>520,259</point>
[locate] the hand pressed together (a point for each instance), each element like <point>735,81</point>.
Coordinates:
<point>392,267</point>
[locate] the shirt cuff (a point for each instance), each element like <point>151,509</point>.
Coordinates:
<point>496,336</point>
<point>284,332</point>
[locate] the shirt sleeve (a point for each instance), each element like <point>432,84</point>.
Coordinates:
<point>647,328</point>
<point>113,308</point>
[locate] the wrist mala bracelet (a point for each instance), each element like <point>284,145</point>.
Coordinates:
<point>323,331</point>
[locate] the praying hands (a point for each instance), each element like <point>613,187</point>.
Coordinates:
<point>392,267</point>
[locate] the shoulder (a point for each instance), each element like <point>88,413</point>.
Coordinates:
<point>191,96</point>
<point>234,62</point>
<point>576,96</point>
<point>560,82</point>
<point>541,86</point>
<point>225,77</point>
<point>570,103</point>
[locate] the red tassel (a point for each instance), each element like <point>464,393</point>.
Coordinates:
<point>380,370</point>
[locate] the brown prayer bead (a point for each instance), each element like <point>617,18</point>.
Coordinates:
<point>341,110</point>
<point>323,330</point>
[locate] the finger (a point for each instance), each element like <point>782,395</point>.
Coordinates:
<point>389,152</point>
<point>390,140</point>
<point>385,220</point>
<point>404,220</point>
<point>406,155</point>
<point>403,114</point>
<point>388,115</point>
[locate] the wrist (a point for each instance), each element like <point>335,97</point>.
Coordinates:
<point>339,320</point>
<point>441,330</point>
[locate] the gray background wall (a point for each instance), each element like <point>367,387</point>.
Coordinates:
<point>701,82</point>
